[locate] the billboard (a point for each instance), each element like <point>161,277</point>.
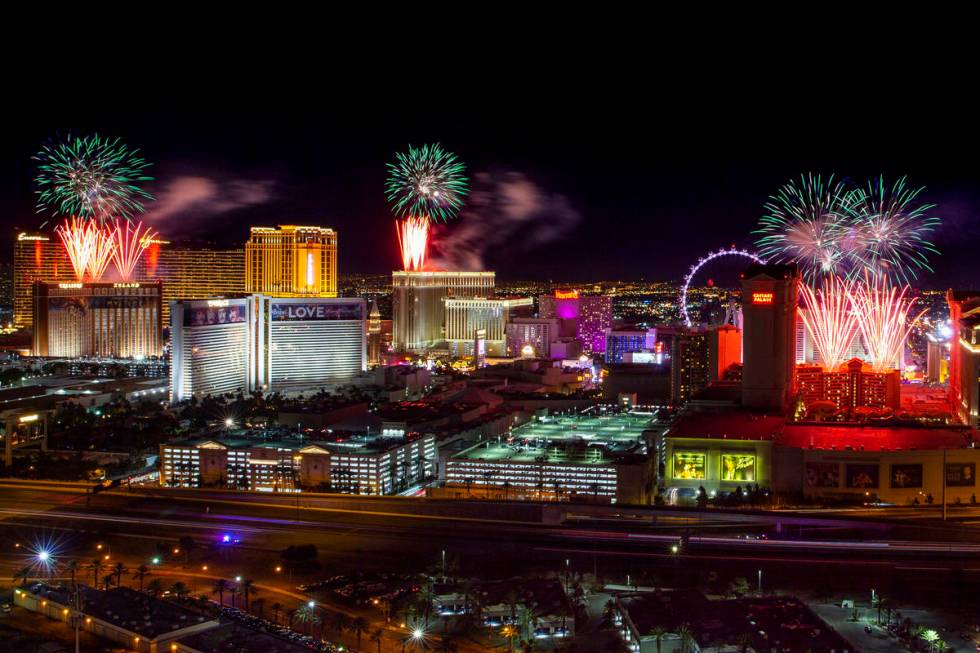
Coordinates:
<point>689,465</point>
<point>316,311</point>
<point>961,474</point>
<point>862,476</point>
<point>208,315</point>
<point>906,476</point>
<point>738,467</point>
<point>822,475</point>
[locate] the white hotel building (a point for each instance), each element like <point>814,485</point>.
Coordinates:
<point>267,343</point>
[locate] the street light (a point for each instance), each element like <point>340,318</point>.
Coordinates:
<point>311,604</point>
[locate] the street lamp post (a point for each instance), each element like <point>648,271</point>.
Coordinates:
<point>760,582</point>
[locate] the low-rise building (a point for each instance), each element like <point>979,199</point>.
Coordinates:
<point>347,463</point>
<point>597,457</point>
<point>134,620</point>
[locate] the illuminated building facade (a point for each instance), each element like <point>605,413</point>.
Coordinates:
<point>419,305</point>
<point>690,369</point>
<point>531,337</point>
<point>724,349</point>
<point>192,273</point>
<point>305,343</point>
<point>268,343</point>
<point>594,317</point>
<point>183,272</point>
<point>374,344</point>
<point>291,261</point>
<point>466,316</point>
<point>622,341</point>
<point>112,320</point>
<point>37,257</point>
<point>547,461</point>
<point>853,385</point>
<point>354,465</point>
<point>769,302</point>
<point>964,355</point>
<point>586,317</point>
<point>210,344</point>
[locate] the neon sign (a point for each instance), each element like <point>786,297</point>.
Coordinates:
<point>762,298</point>
<point>566,294</point>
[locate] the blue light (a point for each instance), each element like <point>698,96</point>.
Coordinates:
<point>226,538</point>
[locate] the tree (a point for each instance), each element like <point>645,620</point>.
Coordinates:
<point>246,586</point>
<point>702,497</point>
<point>180,590</point>
<point>97,567</point>
<point>220,587</point>
<point>658,633</point>
<point>141,572</point>
<point>276,608</point>
<point>376,636</point>
<point>119,569</point>
<point>359,626</point>
<point>340,622</point>
<point>739,586</point>
<point>687,638</point>
<point>154,587</point>
<point>259,605</point>
<point>23,575</point>
<point>307,615</point>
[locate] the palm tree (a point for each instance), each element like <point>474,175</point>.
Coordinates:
<point>658,633</point>
<point>180,590</point>
<point>259,604</point>
<point>359,626</point>
<point>686,637</point>
<point>155,586</point>
<point>276,607</point>
<point>23,575</point>
<point>340,622</point>
<point>119,569</point>
<point>376,636</point>
<point>107,581</point>
<point>72,567</point>
<point>141,572</point>
<point>246,586</point>
<point>307,615</point>
<point>219,588</point>
<point>97,568</point>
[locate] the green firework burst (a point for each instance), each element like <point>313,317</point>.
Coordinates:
<point>426,181</point>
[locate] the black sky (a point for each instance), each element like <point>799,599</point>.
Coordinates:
<point>658,175</point>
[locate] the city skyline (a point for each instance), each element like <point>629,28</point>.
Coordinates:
<point>540,194</point>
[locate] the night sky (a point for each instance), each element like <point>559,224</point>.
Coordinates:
<point>566,187</point>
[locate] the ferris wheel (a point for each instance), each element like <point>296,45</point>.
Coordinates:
<point>704,260</point>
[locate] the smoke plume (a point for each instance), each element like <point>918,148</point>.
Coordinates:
<point>187,201</point>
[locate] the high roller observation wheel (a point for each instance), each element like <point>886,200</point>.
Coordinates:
<point>732,251</point>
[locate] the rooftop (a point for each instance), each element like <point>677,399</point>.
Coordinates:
<point>582,439</point>
<point>126,608</point>
<point>743,425</point>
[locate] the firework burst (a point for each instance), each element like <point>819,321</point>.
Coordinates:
<point>91,177</point>
<point>884,318</point>
<point>426,181</point>
<point>892,228</point>
<point>805,222</point>
<point>90,248</point>
<point>829,319</point>
<point>130,243</point>
<point>413,240</point>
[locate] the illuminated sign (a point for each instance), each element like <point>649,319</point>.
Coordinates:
<point>28,418</point>
<point>689,465</point>
<point>125,285</point>
<point>762,298</point>
<point>218,303</point>
<point>566,294</point>
<point>29,237</point>
<point>65,286</point>
<point>738,467</point>
<point>283,312</point>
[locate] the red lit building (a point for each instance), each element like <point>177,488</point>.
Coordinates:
<point>769,303</point>
<point>853,385</point>
<point>964,355</point>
